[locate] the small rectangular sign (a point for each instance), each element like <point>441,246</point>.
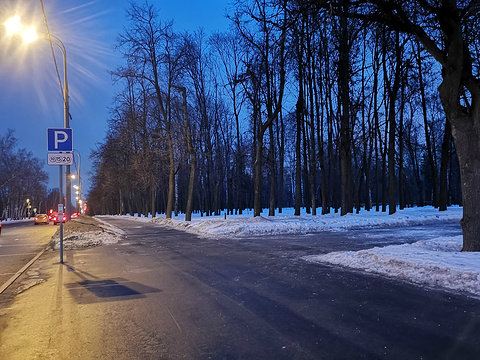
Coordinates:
<point>60,159</point>
<point>60,139</point>
<point>60,208</point>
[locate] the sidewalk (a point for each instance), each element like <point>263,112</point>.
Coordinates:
<point>37,323</point>
<point>74,312</point>
<point>31,323</point>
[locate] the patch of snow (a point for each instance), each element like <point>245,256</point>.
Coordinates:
<point>286,223</point>
<point>105,234</point>
<point>438,263</point>
<point>27,284</point>
<point>86,240</point>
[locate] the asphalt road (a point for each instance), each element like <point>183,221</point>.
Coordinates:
<point>19,243</point>
<point>164,294</point>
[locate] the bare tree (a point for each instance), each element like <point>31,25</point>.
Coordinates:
<point>230,50</point>
<point>153,52</point>
<point>21,178</point>
<point>269,48</point>
<point>447,31</point>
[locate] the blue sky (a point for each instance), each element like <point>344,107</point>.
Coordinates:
<point>30,94</point>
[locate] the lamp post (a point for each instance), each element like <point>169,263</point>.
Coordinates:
<point>79,190</point>
<point>14,26</point>
<point>29,206</point>
<point>66,124</point>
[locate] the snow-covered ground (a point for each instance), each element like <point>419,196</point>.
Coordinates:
<point>286,223</point>
<point>435,263</point>
<point>87,233</point>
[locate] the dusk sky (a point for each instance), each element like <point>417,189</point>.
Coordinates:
<point>30,93</point>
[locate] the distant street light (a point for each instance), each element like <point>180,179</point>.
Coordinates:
<point>78,187</point>
<point>29,207</point>
<point>14,26</point>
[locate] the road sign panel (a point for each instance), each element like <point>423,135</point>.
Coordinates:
<point>60,159</point>
<point>60,139</point>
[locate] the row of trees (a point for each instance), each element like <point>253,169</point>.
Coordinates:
<point>293,106</point>
<point>21,178</point>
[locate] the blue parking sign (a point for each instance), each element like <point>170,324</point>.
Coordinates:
<point>60,139</point>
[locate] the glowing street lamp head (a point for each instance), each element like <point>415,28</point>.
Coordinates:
<point>29,35</point>
<point>13,25</point>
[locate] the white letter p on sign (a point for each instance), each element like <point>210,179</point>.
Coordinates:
<point>60,137</point>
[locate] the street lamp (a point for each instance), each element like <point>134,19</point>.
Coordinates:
<point>79,186</point>
<point>29,206</point>
<point>14,26</point>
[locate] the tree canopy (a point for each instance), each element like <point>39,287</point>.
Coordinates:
<point>21,178</point>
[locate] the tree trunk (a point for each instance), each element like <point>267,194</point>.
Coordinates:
<point>271,160</point>
<point>392,179</point>
<point>330,193</point>
<point>376,128</point>
<point>346,177</point>
<point>468,151</point>
<point>431,161</point>
<point>401,183</point>
<point>298,155</point>
<point>281,156</point>
<point>465,122</point>
<point>257,201</point>
<point>313,152</point>
<point>321,152</point>
<point>306,179</point>
<point>193,157</point>
<point>152,193</point>
<point>447,138</point>
<point>171,174</point>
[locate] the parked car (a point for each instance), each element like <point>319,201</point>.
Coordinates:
<point>75,215</point>
<point>41,219</point>
<point>56,220</point>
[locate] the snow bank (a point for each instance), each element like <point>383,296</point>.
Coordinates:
<point>436,263</point>
<point>286,223</point>
<point>86,232</point>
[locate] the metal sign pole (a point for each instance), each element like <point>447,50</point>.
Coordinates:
<point>60,214</point>
<point>60,140</point>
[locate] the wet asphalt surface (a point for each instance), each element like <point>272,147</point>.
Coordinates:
<point>165,294</point>
<point>256,298</point>
<point>19,243</point>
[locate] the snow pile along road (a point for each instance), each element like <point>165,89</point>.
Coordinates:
<point>85,232</point>
<point>437,263</point>
<point>286,223</point>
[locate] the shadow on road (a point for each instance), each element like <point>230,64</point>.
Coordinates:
<point>90,291</point>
